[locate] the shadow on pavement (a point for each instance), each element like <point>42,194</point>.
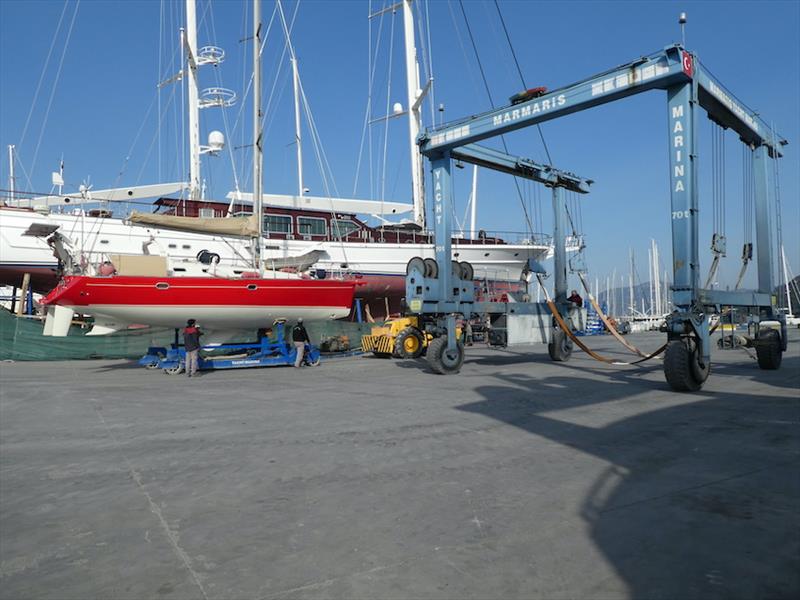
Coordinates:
<point>699,499</point>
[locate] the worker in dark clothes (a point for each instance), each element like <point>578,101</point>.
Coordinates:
<point>191,343</point>
<point>575,299</point>
<point>300,337</point>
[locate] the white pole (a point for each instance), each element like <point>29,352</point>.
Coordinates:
<point>630,284</point>
<point>11,178</point>
<point>656,279</point>
<point>257,149</point>
<point>474,202</point>
<point>193,100</point>
<point>614,291</point>
<point>414,115</point>
<point>650,277</point>
<point>297,139</point>
<point>787,282</point>
<point>666,293</point>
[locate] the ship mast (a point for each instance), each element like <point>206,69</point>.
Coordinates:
<point>194,101</point>
<point>258,156</point>
<point>415,96</point>
<point>297,138</point>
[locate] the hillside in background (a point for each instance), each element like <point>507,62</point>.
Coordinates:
<point>617,301</point>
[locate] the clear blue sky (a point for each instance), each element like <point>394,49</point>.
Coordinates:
<point>99,119</point>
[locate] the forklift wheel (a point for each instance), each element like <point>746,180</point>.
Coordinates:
<point>408,343</point>
<point>560,348</point>
<point>443,362</point>
<point>682,368</point>
<point>768,350</point>
<point>313,362</point>
<point>151,365</point>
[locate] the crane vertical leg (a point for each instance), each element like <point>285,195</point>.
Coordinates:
<point>442,211</point>
<point>770,343</point>
<point>560,248</point>
<point>442,215</point>
<point>560,346</point>
<point>762,197</point>
<point>688,355</point>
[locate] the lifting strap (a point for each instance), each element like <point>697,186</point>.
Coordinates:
<point>606,322</point>
<point>566,329</point>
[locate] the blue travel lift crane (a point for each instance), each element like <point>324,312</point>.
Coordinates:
<point>266,352</point>
<point>441,290</point>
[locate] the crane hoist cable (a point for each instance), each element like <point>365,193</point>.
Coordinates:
<point>747,211</point>
<point>718,237</point>
<point>521,78</point>
<point>566,329</point>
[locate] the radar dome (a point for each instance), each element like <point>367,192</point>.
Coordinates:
<point>216,141</point>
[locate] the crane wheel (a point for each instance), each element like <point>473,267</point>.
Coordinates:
<point>682,367</point>
<point>408,343</point>
<point>768,350</point>
<point>560,347</point>
<point>443,362</point>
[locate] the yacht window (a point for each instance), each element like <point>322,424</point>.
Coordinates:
<point>207,212</point>
<point>173,245</point>
<point>343,227</point>
<point>277,224</point>
<point>186,247</point>
<point>311,226</point>
<point>103,241</point>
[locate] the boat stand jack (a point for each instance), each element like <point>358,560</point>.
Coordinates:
<point>266,352</point>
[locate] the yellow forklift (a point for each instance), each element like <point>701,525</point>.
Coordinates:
<point>400,337</point>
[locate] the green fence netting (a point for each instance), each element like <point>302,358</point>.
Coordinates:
<point>21,339</point>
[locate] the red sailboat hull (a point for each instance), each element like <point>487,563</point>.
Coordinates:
<point>220,304</point>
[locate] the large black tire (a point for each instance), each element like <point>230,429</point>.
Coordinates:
<point>560,347</point>
<point>681,366</point>
<point>769,350</point>
<point>440,361</point>
<point>408,343</point>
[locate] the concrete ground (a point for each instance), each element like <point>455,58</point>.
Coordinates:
<point>370,478</point>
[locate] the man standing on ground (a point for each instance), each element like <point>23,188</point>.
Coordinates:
<point>191,343</point>
<point>300,337</point>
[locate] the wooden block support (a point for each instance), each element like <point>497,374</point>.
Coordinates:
<point>23,295</point>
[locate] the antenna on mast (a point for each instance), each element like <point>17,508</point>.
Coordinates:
<point>682,21</point>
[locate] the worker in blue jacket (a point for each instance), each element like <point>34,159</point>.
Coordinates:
<point>191,343</point>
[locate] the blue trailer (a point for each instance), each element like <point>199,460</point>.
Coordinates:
<point>266,352</point>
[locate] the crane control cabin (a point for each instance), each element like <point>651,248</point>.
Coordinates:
<point>442,292</point>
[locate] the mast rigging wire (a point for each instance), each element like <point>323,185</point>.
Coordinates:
<point>491,102</point>
<point>521,78</point>
<point>55,84</point>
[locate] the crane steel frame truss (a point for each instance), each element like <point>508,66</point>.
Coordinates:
<point>689,86</point>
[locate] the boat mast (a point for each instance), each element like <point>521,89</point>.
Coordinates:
<point>194,101</point>
<point>414,96</point>
<point>630,282</point>
<point>257,149</point>
<point>11,178</point>
<point>297,139</point>
<point>474,203</point>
